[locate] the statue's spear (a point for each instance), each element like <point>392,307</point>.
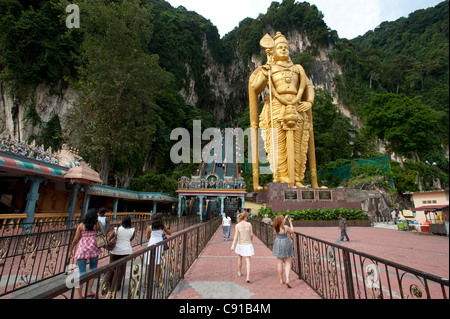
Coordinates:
<point>268,43</point>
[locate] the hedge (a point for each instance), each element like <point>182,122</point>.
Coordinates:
<point>322,214</point>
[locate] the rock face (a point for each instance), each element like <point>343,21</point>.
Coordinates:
<point>47,101</point>
<point>228,86</point>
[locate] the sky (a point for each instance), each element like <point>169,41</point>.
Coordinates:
<point>350,18</point>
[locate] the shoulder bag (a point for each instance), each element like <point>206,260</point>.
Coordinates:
<point>112,240</point>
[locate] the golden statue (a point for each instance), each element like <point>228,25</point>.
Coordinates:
<point>286,120</point>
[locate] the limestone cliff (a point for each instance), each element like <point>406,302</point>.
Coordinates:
<point>47,101</point>
<point>228,85</point>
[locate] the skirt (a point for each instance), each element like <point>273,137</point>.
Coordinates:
<point>226,231</point>
<point>244,250</point>
<point>158,251</point>
<point>282,247</point>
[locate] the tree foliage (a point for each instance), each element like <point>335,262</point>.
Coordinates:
<point>34,47</point>
<point>408,56</point>
<point>407,125</point>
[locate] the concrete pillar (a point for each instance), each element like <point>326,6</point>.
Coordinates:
<point>75,187</point>
<point>200,198</point>
<point>155,206</point>
<point>87,199</point>
<point>222,198</point>
<point>181,205</point>
<point>242,202</point>
<point>32,197</point>
<point>116,203</point>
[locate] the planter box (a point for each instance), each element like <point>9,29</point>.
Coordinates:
<point>331,223</point>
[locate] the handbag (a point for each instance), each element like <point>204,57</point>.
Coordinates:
<point>164,237</point>
<point>112,240</point>
<point>101,241</point>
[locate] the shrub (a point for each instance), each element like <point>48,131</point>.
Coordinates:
<point>318,214</point>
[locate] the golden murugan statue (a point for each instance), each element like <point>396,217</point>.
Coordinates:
<point>286,119</point>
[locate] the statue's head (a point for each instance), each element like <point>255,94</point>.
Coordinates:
<point>281,48</point>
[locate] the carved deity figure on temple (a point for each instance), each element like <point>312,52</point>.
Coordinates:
<point>286,121</point>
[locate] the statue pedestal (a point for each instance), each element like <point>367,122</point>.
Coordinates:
<point>280,197</point>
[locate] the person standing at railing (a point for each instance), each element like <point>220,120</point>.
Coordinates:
<point>104,219</point>
<point>155,234</point>
<point>125,235</point>
<point>267,220</point>
<point>244,248</point>
<point>85,240</point>
<point>226,226</point>
<point>282,247</point>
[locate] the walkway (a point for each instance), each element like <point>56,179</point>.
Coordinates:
<point>214,275</point>
<point>425,252</point>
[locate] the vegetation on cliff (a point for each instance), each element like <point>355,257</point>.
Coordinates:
<point>132,60</point>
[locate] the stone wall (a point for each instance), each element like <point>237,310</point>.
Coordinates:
<point>280,197</point>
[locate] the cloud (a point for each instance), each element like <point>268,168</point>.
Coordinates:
<point>350,17</point>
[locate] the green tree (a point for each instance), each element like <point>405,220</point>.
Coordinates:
<point>115,117</point>
<point>34,45</point>
<point>151,181</point>
<point>406,124</point>
<point>332,130</point>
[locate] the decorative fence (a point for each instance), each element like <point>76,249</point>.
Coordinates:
<point>12,224</point>
<point>143,277</point>
<point>27,259</point>
<point>336,272</point>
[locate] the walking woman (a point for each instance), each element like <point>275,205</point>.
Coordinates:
<point>85,239</point>
<point>282,247</point>
<point>244,248</point>
<point>226,227</point>
<point>154,235</point>
<point>125,235</point>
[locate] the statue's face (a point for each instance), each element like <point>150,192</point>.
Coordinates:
<point>281,52</point>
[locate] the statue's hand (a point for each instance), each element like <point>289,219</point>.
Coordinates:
<point>304,107</point>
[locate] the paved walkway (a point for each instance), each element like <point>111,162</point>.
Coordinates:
<point>425,252</point>
<point>214,275</point>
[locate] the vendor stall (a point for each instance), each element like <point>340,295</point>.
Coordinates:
<point>436,216</point>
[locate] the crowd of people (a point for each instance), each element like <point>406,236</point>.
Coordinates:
<point>85,247</point>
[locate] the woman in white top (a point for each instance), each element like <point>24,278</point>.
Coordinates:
<point>125,235</point>
<point>226,227</point>
<point>244,248</point>
<point>154,235</point>
<point>104,220</point>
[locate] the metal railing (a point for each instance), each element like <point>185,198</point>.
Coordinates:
<point>337,272</point>
<point>142,276</point>
<point>12,224</point>
<point>28,259</point>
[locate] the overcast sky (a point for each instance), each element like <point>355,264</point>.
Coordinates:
<point>350,18</point>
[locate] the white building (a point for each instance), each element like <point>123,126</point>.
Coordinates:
<point>431,206</point>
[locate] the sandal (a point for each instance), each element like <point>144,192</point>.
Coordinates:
<point>91,295</point>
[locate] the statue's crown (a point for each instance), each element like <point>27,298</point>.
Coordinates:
<point>280,38</point>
